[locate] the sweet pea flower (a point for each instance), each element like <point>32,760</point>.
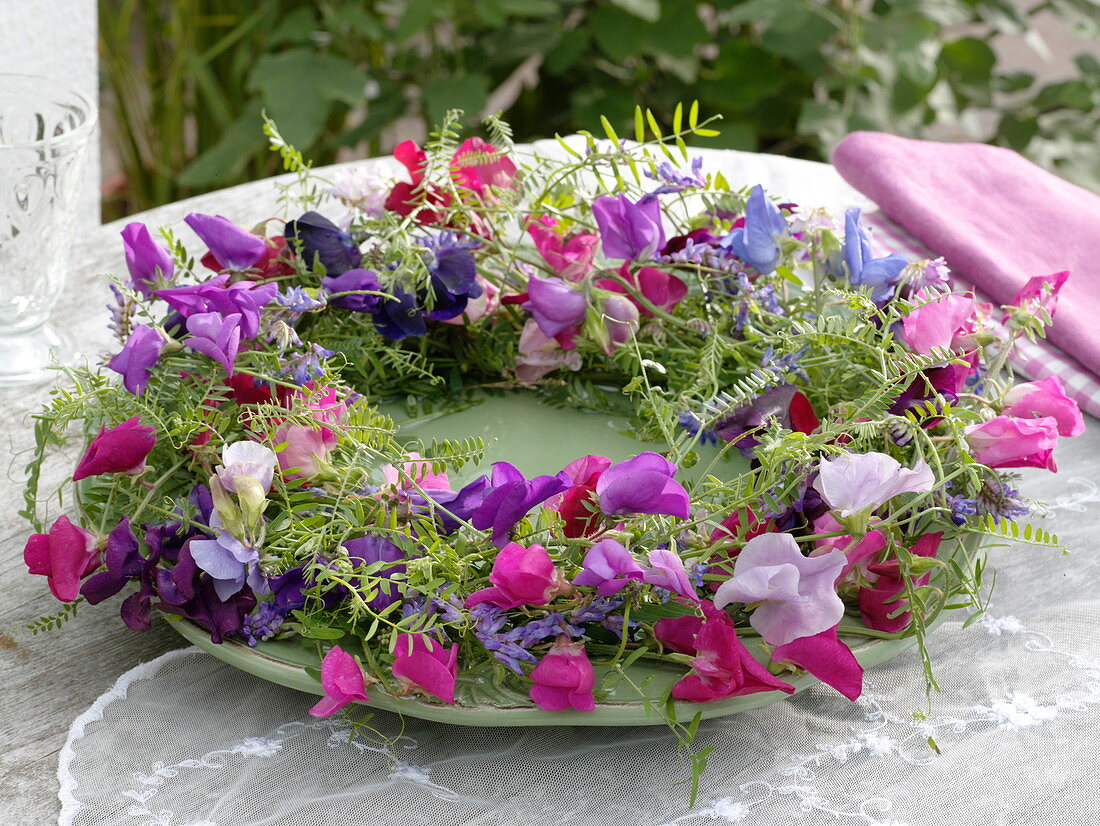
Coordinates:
<point>148,262</point>
<point>120,449</point>
<point>478,308</point>
<point>215,336</point>
<point>306,450</point>
<point>138,357</point>
<point>555,305</point>
<point>186,591</point>
<point>757,242</point>
<point>661,289</point>
<point>343,682</point>
<point>880,274</point>
<point>401,316</point>
<point>855,483</point>
<point>564,678</point>
<point>797,594</point>
<point>363,187</point>
<point>247,458</point>
<point>1007,441</point>
<point>1036,400</point>
<point>644,484</point>
<point>230,563</point>
<point>608,567</point>
<point>417,470</point>
<point>316,238</point>
<point>480,167</point>
<point>234,247</point>
<point>64,556</point>
<point>217,295</point>
<point>453,271</point>
<point>375,550</point>
<point>1030,297</point>
<point>722,667</point>
<point>520,576</point>
<point>510,496</point>
<point>886,595</point>
<point>361,287</point>
<point>574,504</point>
<point>569,257</point>
<point>827,658</point>
<point>938,322</point>
<point>667,571</point>
<point>620,320</point>
<point>416,195</point>
<point>628,230</point>
<point>539,354</point>
<point>419,662</point>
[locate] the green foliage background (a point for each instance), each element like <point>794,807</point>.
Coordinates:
<point>187,80</point>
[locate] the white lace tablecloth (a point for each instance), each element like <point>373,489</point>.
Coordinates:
<point>187,741</point>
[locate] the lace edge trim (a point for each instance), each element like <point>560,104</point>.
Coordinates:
<point>70,806</point>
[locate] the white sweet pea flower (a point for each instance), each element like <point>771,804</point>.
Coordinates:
<point>363,187</point>
<point>245,458</point>
<point>860,482</point>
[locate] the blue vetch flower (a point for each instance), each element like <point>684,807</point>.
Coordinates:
<point>757,242</point>
<point>263,623</point>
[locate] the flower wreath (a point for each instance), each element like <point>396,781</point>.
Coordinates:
<point>242,476</point>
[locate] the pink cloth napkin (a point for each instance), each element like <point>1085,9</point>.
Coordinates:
<point>995,217</point>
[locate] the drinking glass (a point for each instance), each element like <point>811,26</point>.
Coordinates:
<point>45,127</point>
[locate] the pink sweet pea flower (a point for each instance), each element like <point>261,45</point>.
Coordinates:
<point>539,354</point>
<point>855,483</point>
<point>668,572</point>
<point>643,484</point>
<point>421,662</point>
<point>64,556</point>
<point>608,567</point>
<point>570,257</point>
<point>722,666</point>
<point>564,678</point>
<point>480,167</point>
<point>1030,297</point>
<point>120,449</point>
<point>521,576</point>
<point>885,596</point>
<point>1037,400</point>
<point>797,594</point>
<point>620,319</point>
<point>1006,441</point>
<point>343,682</point>
<point>419,471</point>
<point>306,450</point>
<point>938,322</point>
<point>828,659</point>
<point>661,289</point>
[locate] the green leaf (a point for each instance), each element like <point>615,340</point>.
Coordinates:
<point>655,611</point>
<point>967,64</point>
<point>419,15</point>
<point>226,160</point>
<point>466,92</point>
<point>648,10</point>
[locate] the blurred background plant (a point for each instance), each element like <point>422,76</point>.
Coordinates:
<point>187,80</point>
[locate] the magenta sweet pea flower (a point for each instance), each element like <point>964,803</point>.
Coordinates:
<point>555,305</point>
<point>234,247</point>
<point>215,336</point>
<point>540,354</point>
<point>937,323</point>
<point>879,604</point>
<point>480,167</point>
<point>661,289</point>
<point>827,658</point>
<point>620,318</point>
<point>421,662</point>
<point>120,449</point>
<point>138,357</point>
<point>797,594</point>
<point>570,257</point>
<point>667,571</point>
<point>64,556</point>
<point>855,483</point>
<point>1007,441</point>
<point>149,263</point>
<point>1030,297</point>
<point>564,678</point>
<point>343,682</point>
<point>520,576</point>
<point>1039,399</point>
<point>628,230</point>
<point>218,295</point>
<point>608,567</point>
<point>722,666</point>
<point>644,484</point>
<point>306,450</point>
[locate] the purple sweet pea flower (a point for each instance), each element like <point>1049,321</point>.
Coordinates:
<point>555,305</point>
<point>855,483</point>
<point>797,594</point>
<point>629,230</point>
<point>667,571</point>
<point>316,238</point>
<point>454,274</point>
<point>215,336</point>
<point>510,496</point>
<point>401,316</point>
<point>217,295</point>
<point>229,562</point>
<point>608,567</point>
<point>137,358</point>
<point>644,484</point>
<point>148,262</point>
<point>187,591</point>
<point>354,282</point>
<point>459,506</point>
<point>375,550</point>
<point>235,247</point>
<point>880,274</point>
<point>757,242</point>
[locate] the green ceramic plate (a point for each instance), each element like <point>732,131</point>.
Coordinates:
<point>537,439</point>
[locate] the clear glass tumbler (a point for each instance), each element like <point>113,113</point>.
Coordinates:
<point>45,129</point>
